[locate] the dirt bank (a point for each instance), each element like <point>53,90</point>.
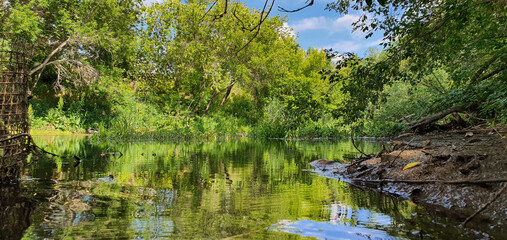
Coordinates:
<point>460,172</point>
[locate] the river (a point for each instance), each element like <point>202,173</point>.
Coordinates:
<point>239,189</point>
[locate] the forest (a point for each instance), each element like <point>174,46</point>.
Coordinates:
<point>219,69</point>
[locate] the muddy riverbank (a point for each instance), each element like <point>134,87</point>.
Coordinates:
<point>455,173</point>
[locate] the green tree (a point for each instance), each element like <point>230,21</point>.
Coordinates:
<point>194,57</point>
<point>69,41</point>
<point>464,40</point>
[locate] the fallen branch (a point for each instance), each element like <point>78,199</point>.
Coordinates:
<point>433,118</point>
<point>501,180</point>
<point>497,194</point>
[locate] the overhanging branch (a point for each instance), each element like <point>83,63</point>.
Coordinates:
<point>45,62</point>
<point>308,4</point>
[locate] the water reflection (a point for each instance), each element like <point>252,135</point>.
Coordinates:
<point>15,211</point>
<point>344,223</point>
<point>241,189</point>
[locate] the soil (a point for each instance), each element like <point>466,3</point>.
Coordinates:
<point>471,156</point>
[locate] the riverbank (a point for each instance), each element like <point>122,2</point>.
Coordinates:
<point>460,174</point>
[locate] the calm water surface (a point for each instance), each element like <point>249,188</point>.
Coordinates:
<point>243,189</point>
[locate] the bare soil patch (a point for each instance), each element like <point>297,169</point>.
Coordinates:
<point>461,173</point>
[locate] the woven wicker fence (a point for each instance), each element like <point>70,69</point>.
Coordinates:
<point>14,138</point>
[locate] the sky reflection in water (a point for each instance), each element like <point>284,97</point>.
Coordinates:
<point>338,226</point>
<point>243,189</point>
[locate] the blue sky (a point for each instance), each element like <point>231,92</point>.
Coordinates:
<point>319,28</point>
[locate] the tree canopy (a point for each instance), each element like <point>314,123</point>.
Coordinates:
<point>191,59</point>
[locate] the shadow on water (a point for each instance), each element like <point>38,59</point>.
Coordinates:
<point>244,189</point>
<point>15,212</point>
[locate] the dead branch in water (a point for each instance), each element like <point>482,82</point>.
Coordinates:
<point>497,194</point>
<point>354,144</point>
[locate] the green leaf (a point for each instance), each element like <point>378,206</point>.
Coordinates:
<point>382,2</point>
<point>369,2</point>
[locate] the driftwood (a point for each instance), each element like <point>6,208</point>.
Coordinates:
<point>425,122</point>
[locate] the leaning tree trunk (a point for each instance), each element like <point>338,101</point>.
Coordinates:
<point>425,122</point>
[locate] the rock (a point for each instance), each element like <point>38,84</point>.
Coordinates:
<point>469,134</point>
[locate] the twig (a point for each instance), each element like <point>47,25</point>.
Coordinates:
<point>207,11</point>
<point>354,144</point>
<point>497,132</point>
<point>500,180</point>
<point>308,3</point>
<point>263,16</point>
<point>405,148</point>
<point>476,118</point>
<point>497,194</point>
<point>35,149</point>
<point>44,63</point>
<point>439,25</point>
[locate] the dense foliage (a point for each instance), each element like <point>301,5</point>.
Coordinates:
<point>189,69</point>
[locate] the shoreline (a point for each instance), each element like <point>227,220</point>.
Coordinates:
<point>459,174</point>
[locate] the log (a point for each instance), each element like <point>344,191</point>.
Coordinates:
<point>424,122</point>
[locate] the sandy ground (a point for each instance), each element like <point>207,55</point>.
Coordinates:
<point>449,180</point>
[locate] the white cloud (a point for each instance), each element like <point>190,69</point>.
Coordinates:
<point>375,43</point>
<point>346,21</point>
<point>288,29</point>
<point>330,25</point>
<point>310,24</point>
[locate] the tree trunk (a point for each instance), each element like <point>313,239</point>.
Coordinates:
<point>226,95</point>
<point>425,122</point>
<point>215,95</point>
<point>194,109</point>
